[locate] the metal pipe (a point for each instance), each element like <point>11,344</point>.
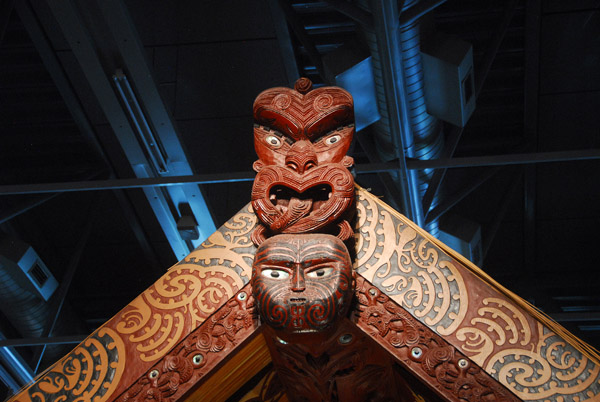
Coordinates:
<point>387,57</point>
<point>17,369</point>
<point>8,380</point>
<point>482,72</point>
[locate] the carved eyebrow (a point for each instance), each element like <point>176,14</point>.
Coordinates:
<point>275,254</point>
<point>318,262</point>
<point>332,251</point>
<point>278,134</point>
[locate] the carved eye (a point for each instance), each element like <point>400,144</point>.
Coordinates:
<point>273,141</point>
<point>275,274</point>
<point>333,139</point>
<point>320,273</point>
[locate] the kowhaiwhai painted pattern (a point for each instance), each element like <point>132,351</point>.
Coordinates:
<point>429,280</point>
<point>411,270</point>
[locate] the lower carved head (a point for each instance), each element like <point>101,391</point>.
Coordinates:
<point>302,283</point>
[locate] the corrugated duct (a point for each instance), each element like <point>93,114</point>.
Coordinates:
<point>427,138</point>
<point>28,313</point>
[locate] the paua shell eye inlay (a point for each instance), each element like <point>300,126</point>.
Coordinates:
<point>302,283</point>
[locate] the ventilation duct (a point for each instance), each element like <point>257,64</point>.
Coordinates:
<point>351,67</point>
<point>426,137</point>
<point>449,83</point>
<point>26,285</point>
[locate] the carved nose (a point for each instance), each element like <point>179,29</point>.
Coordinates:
<point>298,280</point>
<point>301,157</point>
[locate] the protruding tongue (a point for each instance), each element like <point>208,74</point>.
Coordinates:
<point>296,209</point>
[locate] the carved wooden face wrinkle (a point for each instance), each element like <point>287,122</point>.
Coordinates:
<point>302,283</point>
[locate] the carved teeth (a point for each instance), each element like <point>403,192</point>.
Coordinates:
<point>298,300</point>
<point>272,197</point>
<point>329,195</point>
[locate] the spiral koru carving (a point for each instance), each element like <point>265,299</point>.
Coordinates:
<point>90,372</point>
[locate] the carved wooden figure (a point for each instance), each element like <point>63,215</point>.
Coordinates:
<point>303,184</point>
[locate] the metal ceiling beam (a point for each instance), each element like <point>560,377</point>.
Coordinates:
<point>25,206</point>
<point>482,73</point>
<point>352,11</point>
<point>412,164</point>
<point>499,213</point>
<point>533,9</point>
<point>303,37</point>
<point>493,46</point>
<point>59,297</point>
<point>575,317</point>
<point>285,43</point>
<point>419,10</point>
<point>504,160</point>
<point>134,56</point>
<point>54,68</point>
<point>50,340</point>
<point>458,196</point>
<point>165,205</point>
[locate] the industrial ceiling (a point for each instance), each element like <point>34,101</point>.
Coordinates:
<point>103,103</point>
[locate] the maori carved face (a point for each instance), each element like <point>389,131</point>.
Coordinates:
<point>302,283</point>
<point>301,137</point>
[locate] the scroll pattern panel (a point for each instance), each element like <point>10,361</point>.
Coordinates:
<point>190,291</point>
<point>427,279</point>
<point>91,371</point>
<point>155,321</point>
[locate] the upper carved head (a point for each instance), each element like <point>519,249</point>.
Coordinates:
<point>303,127</point>
<point>301,136</point>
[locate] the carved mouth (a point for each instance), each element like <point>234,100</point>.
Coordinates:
<point>280,196</point>
<point>297,300</point>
